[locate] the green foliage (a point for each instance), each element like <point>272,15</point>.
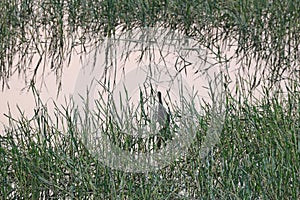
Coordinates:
<point>258,157</point>
<point>263,33</point>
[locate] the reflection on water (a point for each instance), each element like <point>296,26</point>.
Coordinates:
<point>47,86</point>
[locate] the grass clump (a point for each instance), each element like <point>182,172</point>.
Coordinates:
<point>52,31</point>
<point>257,157</point>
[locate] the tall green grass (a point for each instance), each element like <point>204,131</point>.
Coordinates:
<point>258,157</point>
<point>261,33</point>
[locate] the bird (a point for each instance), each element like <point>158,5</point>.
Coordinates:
<point>163,117</point>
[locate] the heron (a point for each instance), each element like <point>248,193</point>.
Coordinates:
<point>163,117</point>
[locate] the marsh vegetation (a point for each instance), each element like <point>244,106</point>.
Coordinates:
<point>258,156</point>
